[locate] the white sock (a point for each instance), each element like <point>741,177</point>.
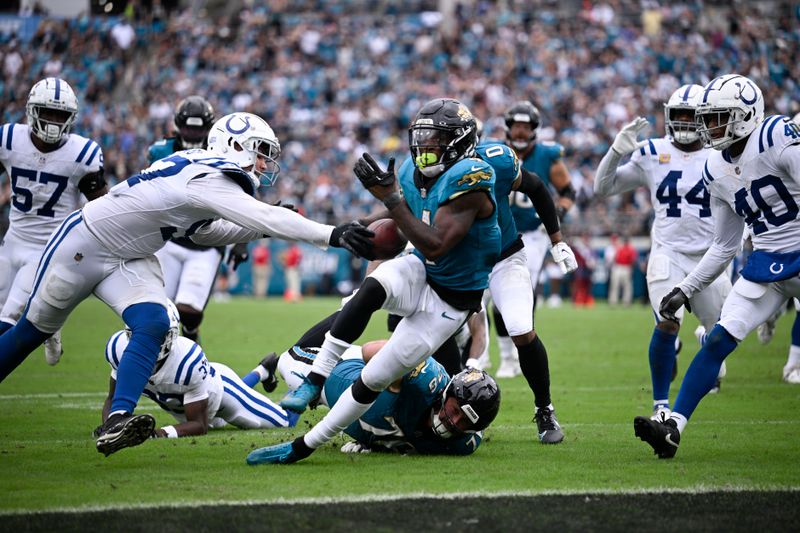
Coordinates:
<point>329,354</point>
<point>262,372</point>
<point>344,412</point>
<point>794,356</point>
<point>661,403</point>
<point>680,420</point>
<point>508,352</point>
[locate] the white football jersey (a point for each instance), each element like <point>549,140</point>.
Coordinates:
<point>139,215</point>
<point>681,201</point>
<point>759,187</point>
<point>184,376</point>
<point>44,185</point>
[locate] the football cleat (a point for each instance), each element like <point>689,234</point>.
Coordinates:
<point>508,369</point>
<point>124,431</point>
<point>661,413</point>
<point>278,454</point>
<point>53,349</point>
<point>270,364</point>
<point>766,331</point>
<point>791,374</point>
<point>699,334</point>
<point>663,437</point>
<point>298,400</point>
<point>548,426</point>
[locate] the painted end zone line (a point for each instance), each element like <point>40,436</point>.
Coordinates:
<point>378,498</point>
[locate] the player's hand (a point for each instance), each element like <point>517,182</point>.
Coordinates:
<point>381,183</point>
<point>564,256</point>
<point>353,237</point>
<point>674,300</point>
<point>290,207</point>
<point>238,255</point>
<point>355,447</point>
<point>626,140</point>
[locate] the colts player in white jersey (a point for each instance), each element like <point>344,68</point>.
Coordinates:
<point>753,176</point>
<point>671,167</point>
<point>49,169</point>
<point>198,393</point>
<point>107,249</point>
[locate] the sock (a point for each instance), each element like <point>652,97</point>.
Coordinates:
<point>255,376</point>
<point>315,335</point>
<point>796,330</point>
<point>702,373</point>
<point>190,324</point>
<point>344,412</point>
<point>448,356</point>
<point>5,326</point>
<point>149,324</point>
<point>508,352</point>
<point>17,343</point>
<point>662,361</point>
<point>680,421</point>
<point>329,354</point>
<point>533,362</point>
<point>794,356</point>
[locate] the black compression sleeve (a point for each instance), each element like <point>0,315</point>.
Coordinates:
<point>533,186</point>
<point>92,182</point>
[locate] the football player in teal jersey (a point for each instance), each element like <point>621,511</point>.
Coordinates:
<point>510,283</point>
<point>545,160</point>
<point>448,212</point>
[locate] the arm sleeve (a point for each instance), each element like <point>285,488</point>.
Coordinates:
<point>612,179</point>
<point>728,229</point>
<point>222,232</point>
<point>223,197</point>
<point>533,186</point>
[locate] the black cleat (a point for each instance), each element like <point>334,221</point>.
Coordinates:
<point>548,426</point>
<point>716,387</point>
<point>663,437</point>
<point>270,363</point>
<point>124,431</point>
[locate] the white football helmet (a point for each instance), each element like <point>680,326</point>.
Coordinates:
<point>242,138</point>
<point>53,94</point>
<point>734,104</point>
<point>173,333</point>
<point>684,99</point>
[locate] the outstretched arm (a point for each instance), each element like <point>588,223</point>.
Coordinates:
<point>196,421</point>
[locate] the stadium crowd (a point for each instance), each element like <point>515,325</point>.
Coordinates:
<point>335,78</point>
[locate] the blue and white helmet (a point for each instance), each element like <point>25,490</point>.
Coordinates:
<point>242,138</point>
<point>683,99</point>
<point>737,106</point>
<point>172,334</point>
<point>54,94</point>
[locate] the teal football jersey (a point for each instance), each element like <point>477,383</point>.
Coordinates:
<point>539,162</point>
<point>507,170</point>
<point>161,149</point>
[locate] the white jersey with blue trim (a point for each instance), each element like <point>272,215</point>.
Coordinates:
<point>762,185</point>
<point>681,202</point>
<point>44,184</point>
<point>184,376</point>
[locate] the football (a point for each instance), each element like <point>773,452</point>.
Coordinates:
<point>388,240</point>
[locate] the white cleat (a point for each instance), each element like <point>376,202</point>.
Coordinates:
<point>699,333</point>
<point>765,331</point>
<point>791,374</point>
<point>508,369</point>
<point>53,349</point>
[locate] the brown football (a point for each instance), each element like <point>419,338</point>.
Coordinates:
<point>388,240</point>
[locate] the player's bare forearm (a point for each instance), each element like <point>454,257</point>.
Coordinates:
<point>196,421</point>
<point>186,429</point>
<point>452,222</point>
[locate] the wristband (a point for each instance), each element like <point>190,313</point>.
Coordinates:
<point>171,432</point>
<point>393,200</point>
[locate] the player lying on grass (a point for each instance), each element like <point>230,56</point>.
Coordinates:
<point>199,394</point>
<point>425,411</point>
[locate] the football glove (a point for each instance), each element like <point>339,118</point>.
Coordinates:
<point>370,173</point>
<point>355,447</point>
<point>674,300</point>
<point>238,255</point>
<point>564,256</point>
<point>625,142</point>
<point>353,237</point>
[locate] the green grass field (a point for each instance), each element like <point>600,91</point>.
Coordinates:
<point>744,439</point>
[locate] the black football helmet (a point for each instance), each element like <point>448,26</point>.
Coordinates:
<point>522,111</point>
<point>443,132</point>
<point>478,396</point>
<point>194,117</point>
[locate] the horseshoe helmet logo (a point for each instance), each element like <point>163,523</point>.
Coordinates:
<point>774,270</point>
<point>237,118</point>
<point>741,93</point>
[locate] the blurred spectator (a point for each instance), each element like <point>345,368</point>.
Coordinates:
<point>625,256</point>
<point>291,271</point>
<point>262,269</point>
<point>582,279</point>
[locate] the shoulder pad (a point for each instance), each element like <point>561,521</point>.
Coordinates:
<point>777,130</point>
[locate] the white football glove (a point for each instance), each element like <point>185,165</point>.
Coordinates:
<point>625,142</point>
<point>354,447</point>
<point>563,255</point>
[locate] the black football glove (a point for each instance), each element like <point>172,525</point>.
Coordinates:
<point>353,237</point>
<point>370,173</point>
<point>290,207</point>
<point>673,301</point>
<point>238,255</point>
